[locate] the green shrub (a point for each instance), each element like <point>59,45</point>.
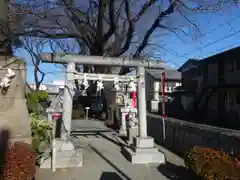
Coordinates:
<point>20,162</point>
<point>34,99</point>
<point>210,164</point>
<point>41,132</point>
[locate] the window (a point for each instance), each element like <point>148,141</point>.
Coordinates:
<point>237,63</point>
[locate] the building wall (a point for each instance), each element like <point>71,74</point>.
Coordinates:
<point>185,101</point>
<point>189,78</point>
<point>170,86</point>
<point>212,106</point>
<point>212,74</point>
<point>220,71</point>
<point>233,106</point>
<point>154,88</point>
<point>223,102</point>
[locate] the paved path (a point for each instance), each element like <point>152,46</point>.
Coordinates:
<point>102,160</point>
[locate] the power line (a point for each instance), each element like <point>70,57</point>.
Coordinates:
<point>225,48</point>
<point>221,25</point>
<point>217,28</point>
<point>214,42</point>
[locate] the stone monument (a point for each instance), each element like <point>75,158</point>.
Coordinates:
<point>13,107</point>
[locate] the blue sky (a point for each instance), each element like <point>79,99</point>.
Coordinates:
<point>219,31</point>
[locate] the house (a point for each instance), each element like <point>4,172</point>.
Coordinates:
<point>153,78</point>
<point>212,87</point>
<point>190,81</point>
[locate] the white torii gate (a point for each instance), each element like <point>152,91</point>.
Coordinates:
<point>143,151</point>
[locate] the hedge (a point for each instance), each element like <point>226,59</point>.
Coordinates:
<point>211,164</point>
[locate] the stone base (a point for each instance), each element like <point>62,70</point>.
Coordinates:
<point>132,132</point>
<point>122,132</point>
<point>143,152</point>
<point>66,156</point>
<point>65,159</point>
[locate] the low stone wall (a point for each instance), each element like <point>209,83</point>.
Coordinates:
<point>182,135</point>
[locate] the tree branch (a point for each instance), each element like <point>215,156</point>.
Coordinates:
<point>155,24</point>
<point>112,23</point>
<point>101,11</point>
<point>129,32</point>
<point>143,10</point>
<point>34,50</point>
<point>43,34</point>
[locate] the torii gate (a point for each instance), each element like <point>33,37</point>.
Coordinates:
<point>143,151</point>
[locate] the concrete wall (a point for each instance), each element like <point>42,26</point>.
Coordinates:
<point>182,135</point>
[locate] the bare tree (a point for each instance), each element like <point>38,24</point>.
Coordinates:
<point>34,46</point>
<point>109,27</point>
<point>10,18</point>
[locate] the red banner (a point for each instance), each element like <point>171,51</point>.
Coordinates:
<point>134,99</point>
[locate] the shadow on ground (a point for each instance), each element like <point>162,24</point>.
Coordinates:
<point>110,176</point>
<point>99,134</point>
<point>175,172</point>
<point>111,164</point>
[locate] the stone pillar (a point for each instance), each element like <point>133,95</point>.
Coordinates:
<point>123,127</point>
<point>68,102</point>
<point>63,155</point>
<point>142,150</point>
<point>142,109</point>
<point>66,155</point>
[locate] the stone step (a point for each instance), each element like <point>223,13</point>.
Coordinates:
<point>64,159</point>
